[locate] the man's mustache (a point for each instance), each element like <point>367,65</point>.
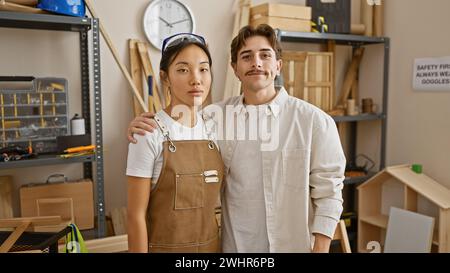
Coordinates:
<point>255,72</point>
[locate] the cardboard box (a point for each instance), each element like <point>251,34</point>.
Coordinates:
<point>282,10</point>
<point>80,191</point>
<point>6,187</point>
<point>286,24</point>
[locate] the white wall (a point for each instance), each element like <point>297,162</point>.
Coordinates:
<point>419,122</point>
<point>418,126</point>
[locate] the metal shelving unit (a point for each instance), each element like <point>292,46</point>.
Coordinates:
<point>83,26</point>
<point>355,41</point>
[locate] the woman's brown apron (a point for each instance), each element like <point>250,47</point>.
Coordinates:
<point>181,211</point>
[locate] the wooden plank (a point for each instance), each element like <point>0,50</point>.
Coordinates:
<point>136,74</point>
<point>35,221</point>
<point>287,24</point>
<point>318,84</point>
<point>119,220</point>
<point>32,3</point>
<point>410,199</point>
<point>56,207</point>
<point>6,6</point>
<point>299,79</point>
<point>345,244</point>
<point>148,71</point>
<point>288,74</point>
<point>8,243</point>
<point>231,82</point>
<point>313,68</point>
<point>113,244</point>
<point>6,186</point>
<point>447,230</point>
<point>421,183</point>
<point>379,220</point>
<point>350,76</point>
<point>282,10</point>
<point>442,228</point>
<point>332,49</point>
<point>245,13</point>
<point>242,18</point>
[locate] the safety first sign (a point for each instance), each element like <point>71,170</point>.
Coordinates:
<point>432,74</point>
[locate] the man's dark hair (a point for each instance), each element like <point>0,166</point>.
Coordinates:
<point>250,31</point>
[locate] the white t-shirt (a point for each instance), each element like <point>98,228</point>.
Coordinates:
<point>145,158</point>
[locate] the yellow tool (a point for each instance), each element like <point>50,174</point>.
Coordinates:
<point>80,149</point>
<point>57,86</point>
<point>71,155</point>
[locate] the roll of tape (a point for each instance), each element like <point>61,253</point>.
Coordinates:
<point>77,126</point>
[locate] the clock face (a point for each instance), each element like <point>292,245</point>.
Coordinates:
<point>164,18</point>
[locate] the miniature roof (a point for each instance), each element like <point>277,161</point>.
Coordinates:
<point>422,184</point>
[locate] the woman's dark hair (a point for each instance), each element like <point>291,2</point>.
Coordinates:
<point>171,53</point>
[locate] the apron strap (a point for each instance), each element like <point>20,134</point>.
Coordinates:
<point>161,126</point>
<point>165,132</point>
<point>172,147</point>
<point>207,120</point>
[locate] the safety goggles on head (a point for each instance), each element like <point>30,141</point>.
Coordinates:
<point>180,38</point>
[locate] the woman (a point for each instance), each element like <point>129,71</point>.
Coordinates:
<point>175,174</point>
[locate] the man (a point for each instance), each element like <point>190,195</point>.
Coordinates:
<point>285,196</point>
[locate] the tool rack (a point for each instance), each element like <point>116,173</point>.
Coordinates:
<point>84,26</point>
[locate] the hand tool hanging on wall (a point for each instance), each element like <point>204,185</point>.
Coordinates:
<point>116,57</point>
<point>150,94</point>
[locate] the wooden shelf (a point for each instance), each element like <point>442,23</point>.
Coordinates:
<point>380,221</point>
<point>361,117</point>
<point>373,199</point>
<point>42,160</point>
<point>436,238</point>
<point>44,21</point>
<point>341,39</point>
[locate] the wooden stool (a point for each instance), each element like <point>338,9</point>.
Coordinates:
<point>341,235</point>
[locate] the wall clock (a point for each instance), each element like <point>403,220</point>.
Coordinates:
<point>164,18</point>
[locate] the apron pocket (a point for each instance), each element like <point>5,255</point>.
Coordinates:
<point>189,193</point>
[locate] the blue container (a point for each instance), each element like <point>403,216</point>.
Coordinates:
<point>67,7</point>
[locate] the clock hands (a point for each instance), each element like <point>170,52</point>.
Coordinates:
<point>181,21</point>
<point>167,23</point>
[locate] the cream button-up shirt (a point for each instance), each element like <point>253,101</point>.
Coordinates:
<point>285,184</point>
